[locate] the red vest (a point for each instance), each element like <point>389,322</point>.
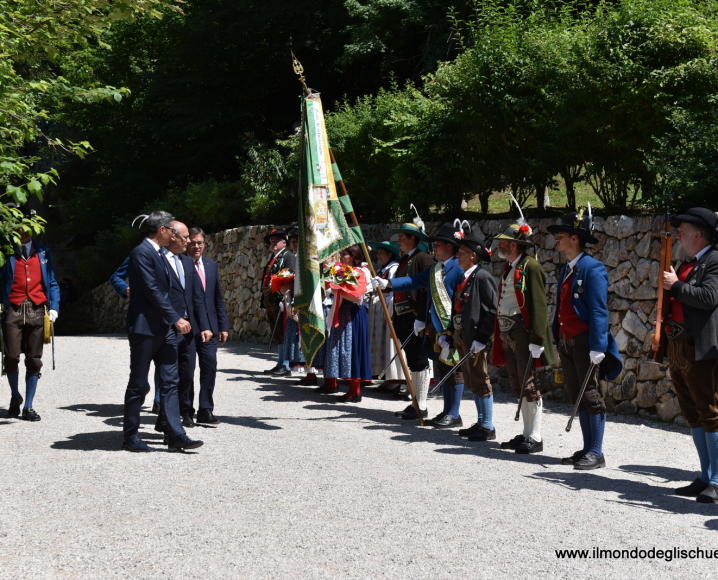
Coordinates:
<point>676,310</point>
<point>27,283</point>
<point>570,324</point>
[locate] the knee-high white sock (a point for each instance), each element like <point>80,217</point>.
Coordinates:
<point>421,386</point>
<point>536,422</point>
<point>526,417</point>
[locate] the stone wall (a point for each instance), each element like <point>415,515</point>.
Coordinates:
<point>629,246</point>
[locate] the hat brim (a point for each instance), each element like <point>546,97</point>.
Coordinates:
<point>677,220</point>
<point>421,236</point>
<point>583,234</point>
<point>510,239</point>
<point>452,241</point>
<point>478,249</point>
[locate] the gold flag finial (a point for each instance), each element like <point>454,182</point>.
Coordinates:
<point>299,71</point>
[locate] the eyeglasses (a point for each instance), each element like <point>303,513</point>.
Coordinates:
<point>196,244</point>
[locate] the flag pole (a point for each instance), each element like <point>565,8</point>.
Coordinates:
<point>384,307</point>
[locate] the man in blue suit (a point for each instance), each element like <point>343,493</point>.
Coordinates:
<point>440,280</point>
<point>155,320</point>
<point>213,296</point>
<point>580,328</point>
<point>189,294</point>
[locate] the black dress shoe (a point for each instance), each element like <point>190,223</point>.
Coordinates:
<point>188,421</point>
<point>709,494</point>
<point>574,457</point>
<point>469,430</point>
<point>590,461</point>
<point>155,408</point>
<point>183,442</point>
<point>14,409</point>
<point>282,372</point>
<point>528,445</point>
<point>693,489</point>
<point>30,415</point>
<point>483,434</point>
<point>206,417</point>
<point>136,445</point>
<point>402,393</point>
<point>409,413</point>
<point>349,399</point>
<point>439,417</point>
<point>273,369</point>
<point>513,443</point>
<point>160,424</point>
<point>448,422</point>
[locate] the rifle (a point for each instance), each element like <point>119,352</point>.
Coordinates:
<point>658,338</point>
<point>527,371</point>
<point>381,375</point>
<point>456,367</point>
<point>52,339</point>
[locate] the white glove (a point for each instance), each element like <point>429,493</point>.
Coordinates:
<point>445,352</point>
<point>419,326</point>
<point>281,307</point>
<point>380,283</point>
<point>53,315</point>
<point>477,347</point>
<point>443,343</point>
<point>536,350</point>
<point>596,357</point>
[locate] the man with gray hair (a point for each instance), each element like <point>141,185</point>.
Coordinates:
<point>154,322</point>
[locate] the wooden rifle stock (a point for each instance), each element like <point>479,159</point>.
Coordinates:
<point>658,339</point>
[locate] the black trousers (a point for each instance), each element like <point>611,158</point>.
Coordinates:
<point>190,351</point>
<point>415,351</point>
<point>143,350</point>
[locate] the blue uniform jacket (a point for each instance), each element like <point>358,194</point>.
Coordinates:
<point>49,284</point>
<point>589,294</point>
<point>453,276</point>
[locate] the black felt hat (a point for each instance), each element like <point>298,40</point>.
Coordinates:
<point>576,223</point>
<point>699,216</point>
<point>275,233</point>
<point>476,245</point>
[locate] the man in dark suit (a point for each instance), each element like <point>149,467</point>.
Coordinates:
<point>155,320</point>
<point>211,291</point>
<point>190,295</point>
<point>473,315</point>
<point>692,331</point>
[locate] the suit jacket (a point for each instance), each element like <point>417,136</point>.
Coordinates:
<point>150,312</point>
<point>589,296</point>
<point>119,276</point>
<point>49,283</point>
<point>478,307</point>
<point>699,296</point>
<point>191,297</point>
<point>214,297</point>
<point>453,275</point>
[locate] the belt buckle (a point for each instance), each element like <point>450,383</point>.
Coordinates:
<point>456,321</point>
<point>506,323</point>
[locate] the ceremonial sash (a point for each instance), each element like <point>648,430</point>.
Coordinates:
<point>442,305</point>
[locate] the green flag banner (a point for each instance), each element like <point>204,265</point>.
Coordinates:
<point>323,227</point>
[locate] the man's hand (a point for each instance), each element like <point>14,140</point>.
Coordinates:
<point>419,327</point>
<point>223,336</point>
<point>669,278</point>
<point>380,283</point>
<point>477,347</point>
<point>443,341</point>
<point>206,335</point>
<point>53,315</point>
<point>183,326</point>
<point>596,357</point>
<point>536,350</point>
<point>127,291</point>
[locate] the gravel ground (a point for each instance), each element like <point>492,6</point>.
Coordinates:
<point>293,484</point>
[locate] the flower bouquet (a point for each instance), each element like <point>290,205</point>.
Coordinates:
<point>282,280</point>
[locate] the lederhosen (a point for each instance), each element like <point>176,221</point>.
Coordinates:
<point>475,369</point>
